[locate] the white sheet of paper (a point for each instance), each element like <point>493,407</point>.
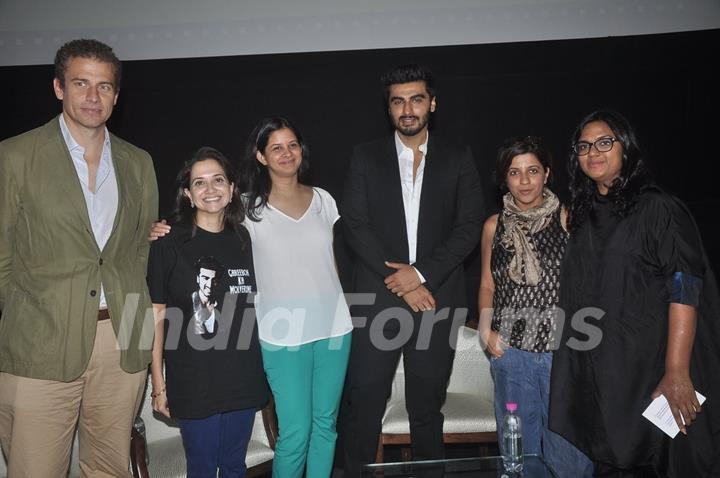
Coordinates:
<point>658,412</point>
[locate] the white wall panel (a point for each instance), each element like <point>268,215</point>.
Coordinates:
<point>31,30</point>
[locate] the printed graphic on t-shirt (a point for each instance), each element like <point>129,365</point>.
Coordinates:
<point>205,299</point>
<point>241,275</point>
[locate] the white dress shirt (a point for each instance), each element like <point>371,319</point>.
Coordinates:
<point>411,191</point>
<point>102,204</point>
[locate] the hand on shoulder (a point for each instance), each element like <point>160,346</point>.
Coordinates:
<point>158,229</point>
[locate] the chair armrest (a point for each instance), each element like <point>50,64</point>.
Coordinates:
<point>138,450</point>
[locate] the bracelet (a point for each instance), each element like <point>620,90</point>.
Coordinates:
<point>157,394</point>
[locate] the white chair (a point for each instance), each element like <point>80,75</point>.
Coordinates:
<point>469,406</point>
<point>157,450</point>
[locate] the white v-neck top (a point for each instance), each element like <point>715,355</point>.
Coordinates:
<point>299,298</point>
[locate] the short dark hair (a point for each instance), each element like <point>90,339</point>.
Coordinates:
<point>516,146</point>
<point>209,263</point>
<point>407,74</point>
<point>86,48</point>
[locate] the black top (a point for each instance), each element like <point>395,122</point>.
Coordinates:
<point>212,354</point>
<point>525,314</point>
<point>612,356</point>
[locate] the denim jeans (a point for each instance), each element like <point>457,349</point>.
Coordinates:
<point>524,378</point>
<point>218,442</point>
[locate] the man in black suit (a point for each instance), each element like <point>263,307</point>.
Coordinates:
<point>412,211</point>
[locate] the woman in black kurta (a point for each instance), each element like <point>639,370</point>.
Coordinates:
<point>634,258</point>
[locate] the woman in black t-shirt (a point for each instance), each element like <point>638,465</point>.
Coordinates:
<point>200,277</point>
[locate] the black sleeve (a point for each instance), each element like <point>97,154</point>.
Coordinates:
<point>160,263</point>
<point>359,234</point>
<point>674,244</point>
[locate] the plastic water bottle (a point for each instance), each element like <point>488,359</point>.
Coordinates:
<point>512,440</point>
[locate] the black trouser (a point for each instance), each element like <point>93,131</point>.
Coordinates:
<point>603,470</point>
<point>370,375</point>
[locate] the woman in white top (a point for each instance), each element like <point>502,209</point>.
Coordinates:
<point>303,319</point>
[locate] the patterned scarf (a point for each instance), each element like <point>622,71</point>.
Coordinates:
<point>520,226</point>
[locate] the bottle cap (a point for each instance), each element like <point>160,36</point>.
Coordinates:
<point>511,406</point>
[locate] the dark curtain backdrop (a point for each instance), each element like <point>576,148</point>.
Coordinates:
<point>486,93</point>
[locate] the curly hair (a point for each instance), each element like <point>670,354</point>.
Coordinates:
<point>626,188</point>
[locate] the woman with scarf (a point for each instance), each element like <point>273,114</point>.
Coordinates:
<point>522,248</point>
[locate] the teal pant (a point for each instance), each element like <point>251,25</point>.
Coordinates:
<point>306,381</point>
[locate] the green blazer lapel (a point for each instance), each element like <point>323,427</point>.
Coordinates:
<point>55,155</point>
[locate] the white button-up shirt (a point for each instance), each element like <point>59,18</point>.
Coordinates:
<point>102,204</point>
<point>411,191</point>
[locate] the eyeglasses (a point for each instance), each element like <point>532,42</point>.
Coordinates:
<point>603,145</point>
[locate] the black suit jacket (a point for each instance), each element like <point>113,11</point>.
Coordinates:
<point>449,223</point>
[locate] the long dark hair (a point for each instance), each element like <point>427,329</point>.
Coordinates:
<point>626,188</point>
<point>183,213</point>
<point>256,179</point>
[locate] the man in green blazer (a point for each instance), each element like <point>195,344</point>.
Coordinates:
<point>76,203</point>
